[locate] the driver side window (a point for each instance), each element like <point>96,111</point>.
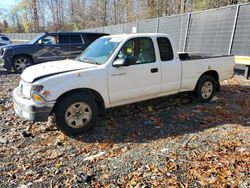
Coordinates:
<point>50,40</point>
<point>140,49</point>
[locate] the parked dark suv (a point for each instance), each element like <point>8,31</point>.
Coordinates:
<point>46,47</point>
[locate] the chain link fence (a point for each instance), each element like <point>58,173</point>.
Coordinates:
<point>217,32</point>
<point>21,37</point>
<point>241,40</point>
<point>210,32</point>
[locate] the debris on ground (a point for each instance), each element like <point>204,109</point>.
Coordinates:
<point>168,142</point>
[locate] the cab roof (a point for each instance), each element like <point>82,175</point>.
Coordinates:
<point>137,35</point>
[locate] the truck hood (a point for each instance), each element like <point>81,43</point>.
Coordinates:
<point>36,72</point>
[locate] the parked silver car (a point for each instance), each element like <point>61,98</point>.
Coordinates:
<point>4,40</point>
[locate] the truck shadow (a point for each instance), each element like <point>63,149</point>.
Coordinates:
<point>170,116</point>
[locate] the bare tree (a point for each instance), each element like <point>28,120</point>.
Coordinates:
<point>35,15</point>
<point>58,15</point>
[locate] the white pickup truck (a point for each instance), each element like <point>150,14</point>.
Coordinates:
<point>115,70</point>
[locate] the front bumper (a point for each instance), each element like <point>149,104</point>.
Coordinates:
<point>27,109</point>
<point>1,62</point>
<point>5,63</point>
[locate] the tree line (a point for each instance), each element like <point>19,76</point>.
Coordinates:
<point>68,15</point>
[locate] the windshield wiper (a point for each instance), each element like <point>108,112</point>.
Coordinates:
<point>88,60</point>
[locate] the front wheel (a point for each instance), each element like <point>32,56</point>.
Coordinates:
<point>76,114</point>
<point>20,63</point>
<point>205,88</point>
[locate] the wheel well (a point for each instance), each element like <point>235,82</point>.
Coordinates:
<point>97,97</point>
<point>212,73</point>
<point>29,56</point>
<point>215,75</point>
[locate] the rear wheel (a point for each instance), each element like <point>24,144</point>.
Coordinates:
<point>76,113</point>
<point>20,63</point>
<point>205,88</point>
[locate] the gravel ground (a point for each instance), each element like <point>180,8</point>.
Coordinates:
<point>167,142</point>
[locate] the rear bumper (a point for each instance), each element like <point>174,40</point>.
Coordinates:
<point>27,109</point>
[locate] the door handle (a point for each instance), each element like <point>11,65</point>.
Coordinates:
<point>119,74</point>
<point>154,70</point>
<point>79,47</point>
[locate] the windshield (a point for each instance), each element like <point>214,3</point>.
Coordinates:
<point>35,39</point>
<point>100,50</point>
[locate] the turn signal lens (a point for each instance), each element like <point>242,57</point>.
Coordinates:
<point>38,99</point>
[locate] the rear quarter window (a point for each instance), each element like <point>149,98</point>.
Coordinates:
<point>70,39</point>
<point>165,48</point>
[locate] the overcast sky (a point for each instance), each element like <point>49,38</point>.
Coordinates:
<point>7,4</point>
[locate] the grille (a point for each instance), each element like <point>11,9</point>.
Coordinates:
<point>21,89</point>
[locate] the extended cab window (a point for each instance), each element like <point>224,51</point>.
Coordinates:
<point>140,49</point>
<point>70,39</point>
<point>165,47</point>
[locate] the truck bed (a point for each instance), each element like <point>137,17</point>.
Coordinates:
<point>194,65</point>
<point>190,56</point>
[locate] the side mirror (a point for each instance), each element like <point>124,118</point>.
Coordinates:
<point>40,42</point>
<point>119,62</point>
<point>124,62</point>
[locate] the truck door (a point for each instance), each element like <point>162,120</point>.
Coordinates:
<point>138,81</point>
<point>171,67</point>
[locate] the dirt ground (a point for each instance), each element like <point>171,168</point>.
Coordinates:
<point>167,142</point>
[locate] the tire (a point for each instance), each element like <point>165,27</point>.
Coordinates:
<point>20,63</point>
<point>76,113</point>
<point>205,88</point>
